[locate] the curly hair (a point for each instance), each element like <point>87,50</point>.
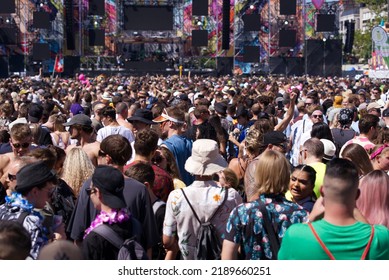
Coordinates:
<point>77,168</point>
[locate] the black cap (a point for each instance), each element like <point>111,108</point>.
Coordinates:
<point>221,108</point>
<point>110,182</point>
<point>345,116</point>
<point>274,138</point>
<point>142,115</point>
<point>80,119</point>
<point>242,112</point>
<point>33,175</point>
<point>35,113</point>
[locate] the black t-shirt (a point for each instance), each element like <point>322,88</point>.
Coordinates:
<point>96,247</point>
<point>138,202</point>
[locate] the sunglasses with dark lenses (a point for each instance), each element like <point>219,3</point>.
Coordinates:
<point>317,116</point>
<point>11,177</point>
<point>21,145</point>
<point>89,191</point>
<point>102,154</point>
<point>157,159</point>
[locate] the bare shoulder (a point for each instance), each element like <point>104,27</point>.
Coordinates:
<point>70,147</point>
<point>5,159</point>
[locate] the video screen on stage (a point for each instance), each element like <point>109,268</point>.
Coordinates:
<point>148,18</point>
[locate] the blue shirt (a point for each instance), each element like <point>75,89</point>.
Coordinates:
<point>181,147</point>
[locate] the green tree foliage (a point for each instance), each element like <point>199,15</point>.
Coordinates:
<point>362,45</point>
<point>362,40</point>
<point>376,7</point>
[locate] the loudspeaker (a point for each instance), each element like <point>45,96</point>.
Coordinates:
<point>224,65</point>
<point>199,38</point>
<point>350,30</point>
<point>40,51</point>
<point>294,66</point>
<point>333,58</point>
<point>226,25</point>
<point>4,67</point>
<point>277,65</point>
<point>96,7</point>
<point>200,8</point>
<point>8,36</point>
<point>71,65</point>
<point>251,22</point>
<point>287,38</point>
<point>96,37</point>
<point>7,7</point>
<point>287,7</point>
<point>314,53</point>
<point>69,28</point>
<point>16,63</point>
<point>325,23</point>
<point>251,54</point>
<point>41,20</point>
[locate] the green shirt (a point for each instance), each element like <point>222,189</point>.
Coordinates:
<point>344,242</point>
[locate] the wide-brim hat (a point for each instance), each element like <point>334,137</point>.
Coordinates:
<point>205,159</point>
<point>142,115</point>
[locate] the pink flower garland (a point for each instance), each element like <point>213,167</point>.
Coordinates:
<point>115,216</point>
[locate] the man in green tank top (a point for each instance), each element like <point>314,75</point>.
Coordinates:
<point>338,235</point>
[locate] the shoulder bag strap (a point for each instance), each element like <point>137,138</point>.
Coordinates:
<point>368,244</point>
<point>321,242</point>
<point>273,236</point>
<point>213,214</point>
<point>191,207</point>
<point>22,217</point>
<point>109,234</point>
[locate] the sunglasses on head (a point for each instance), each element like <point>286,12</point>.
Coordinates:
<point>21,145</point>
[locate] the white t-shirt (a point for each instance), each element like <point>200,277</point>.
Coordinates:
<point>112,130</point>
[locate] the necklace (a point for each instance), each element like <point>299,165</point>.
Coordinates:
<point>115,216</point>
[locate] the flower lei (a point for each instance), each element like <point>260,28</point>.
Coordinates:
<point>115,216</point>
<point>16,200</point>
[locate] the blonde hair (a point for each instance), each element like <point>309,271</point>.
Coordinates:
<point>77,168</point>
<point>272,173</point>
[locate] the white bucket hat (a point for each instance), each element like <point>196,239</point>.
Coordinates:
<point>206,159</point>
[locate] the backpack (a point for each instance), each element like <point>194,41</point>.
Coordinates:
<point>208,243</point>
<point>159,252</point>
<point>129,249</point>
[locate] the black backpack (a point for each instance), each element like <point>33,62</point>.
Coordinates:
<point>208,243</point>
<point>129,249</point>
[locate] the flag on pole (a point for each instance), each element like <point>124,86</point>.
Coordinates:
<point>58,65</point>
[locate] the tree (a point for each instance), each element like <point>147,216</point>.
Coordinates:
<point>364,43</point>
<point>362,39</point>
<point>377,7</point>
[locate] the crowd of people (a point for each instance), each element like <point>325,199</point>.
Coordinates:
<point>281,168</point>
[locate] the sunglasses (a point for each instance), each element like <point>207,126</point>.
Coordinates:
<point>158,159</point>
<point>21,145</point>
<point>102,154</point>
<point>90,191</point>
<point>11,177</point>
<point>317,116</point>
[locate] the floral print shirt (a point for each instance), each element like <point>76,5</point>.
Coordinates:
<point>205,197</point>
<point>245,224</point>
